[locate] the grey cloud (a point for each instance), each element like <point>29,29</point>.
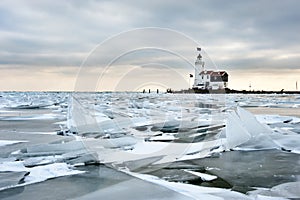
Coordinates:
<point>55,32</point>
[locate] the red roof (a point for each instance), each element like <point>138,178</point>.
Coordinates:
<point>218,73</point>
<point>213,73</point>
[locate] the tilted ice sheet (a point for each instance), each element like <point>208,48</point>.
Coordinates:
<point>251,124</point>
<point>236,133</point>
<point>244,132</point>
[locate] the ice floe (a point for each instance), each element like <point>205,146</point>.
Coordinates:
<point>204,177</point>
<point>38,173</point>
<point>35,117</point>
<point>72,152</point>
<point>272,119</point>
<point>9,142</point>
<point>41,173</point>
<point>288,190</point>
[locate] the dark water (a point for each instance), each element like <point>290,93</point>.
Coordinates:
<point>240,170</point>
<point>244,170</point>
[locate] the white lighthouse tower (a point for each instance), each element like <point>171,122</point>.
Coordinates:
<point>199,67</point>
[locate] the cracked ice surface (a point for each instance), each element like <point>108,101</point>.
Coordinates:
<point>146,134</point>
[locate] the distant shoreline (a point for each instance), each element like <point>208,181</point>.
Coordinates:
<point>232,91</point>
<point>184,91</point>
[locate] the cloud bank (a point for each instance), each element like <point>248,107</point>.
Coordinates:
<point>237,35</point>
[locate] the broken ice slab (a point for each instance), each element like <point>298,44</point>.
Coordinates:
<point>30,106</point>
<point>72,152</point>
<point>56,148</point>
<point>81,157</point>
<point>42,160</point>
<point>203,176</point>
<point>251,124</point>
<point>49,116</point>
<point>287,142</point>
<point>143,164</point>
<point>169,152</point>
<point>12,166</point>
<point>246,133</point>
<point>73,158</point>
<point>193,136</point>
<point>286,190</point>
<point>106,134</point>
<point>212,127</point>
<point>236,134</point>
<point>285,130</point>
<point>50,149</point>
<point>165,137</point>
<point>29,175</point>
<point>174,175</point>
<point>173,126</point>
<point>166,126</point>
<point>42,173</point>
<point>273,119</point>
<point>113,127</point>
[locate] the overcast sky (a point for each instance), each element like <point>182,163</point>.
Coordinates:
<point>43,43</point>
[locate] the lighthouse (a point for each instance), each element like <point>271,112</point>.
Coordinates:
<point>199,67</point>
<point>208,79</point>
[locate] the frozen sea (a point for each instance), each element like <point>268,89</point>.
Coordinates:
<point>56,145</point>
